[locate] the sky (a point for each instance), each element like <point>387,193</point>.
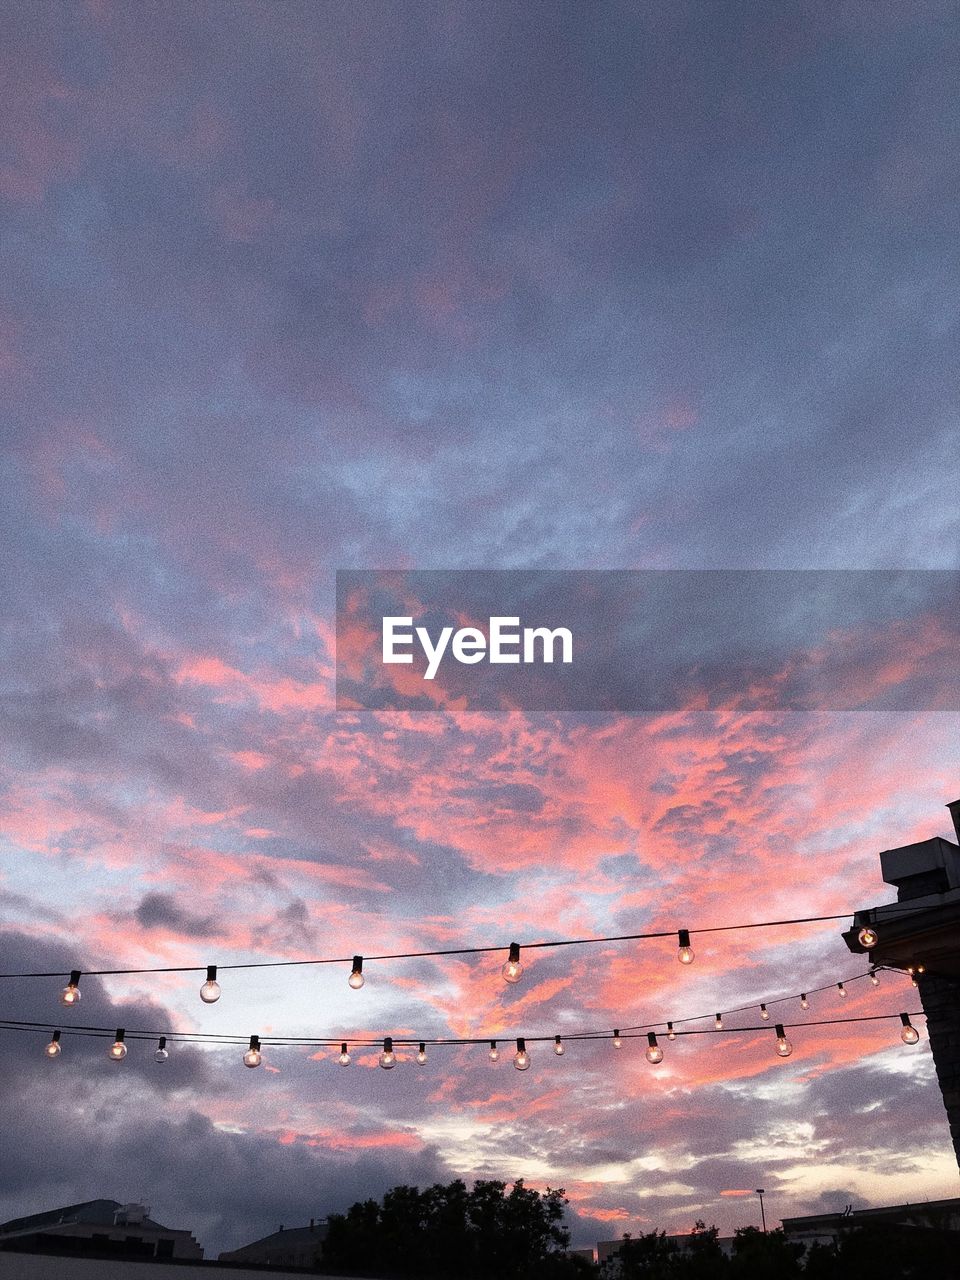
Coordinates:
<point>291,288</point>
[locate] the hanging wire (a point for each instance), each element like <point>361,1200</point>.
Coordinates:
<point>449,951</point>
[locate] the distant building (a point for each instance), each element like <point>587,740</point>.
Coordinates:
<point>98,1228</point>
<point>608,1249</point>
<point>825,1228</point>
<point>285,1247</point>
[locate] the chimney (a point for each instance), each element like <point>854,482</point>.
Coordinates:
<point>954,807</point>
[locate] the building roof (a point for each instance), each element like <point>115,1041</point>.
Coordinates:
<point>96,1212</point>
<point>284,1237</point>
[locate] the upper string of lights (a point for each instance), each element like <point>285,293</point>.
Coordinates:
<point>388,1057</point>
<point>512,969</point>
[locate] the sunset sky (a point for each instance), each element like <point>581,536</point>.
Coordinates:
<point>297,287</point>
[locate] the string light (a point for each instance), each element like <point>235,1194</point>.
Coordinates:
<point>422,1053</point>
<point>210,991</point>
<point>52,1050</point>
<point>764,1014</point>
<point>804,1002</point>
<point>558,1046</point>
<point>494,1054</point>
<point>118,1050</point>
<point>521,1059</point>
<point>161,1054</point>
<point>685,953</point>
<point>843,990</point>
<point>654,1052</point>
<point>253,1057</point>
<point>908,1033</point>
<point>356,973</point>
<point>873,978</point>
<point>457,951</point>
<point>71,992</point>
<point>617,1042</point>
<point>343,1057</point>
<point>388,1059</point>
<point>718,1021</point>
<point>513,970</point>
<point>671,1034</point>
<point>784,1047</point>
<point>867,937</point>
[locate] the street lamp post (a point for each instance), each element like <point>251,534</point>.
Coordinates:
<point>763,1218</point>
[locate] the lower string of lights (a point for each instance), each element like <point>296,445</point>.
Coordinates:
<point>389,1057</point>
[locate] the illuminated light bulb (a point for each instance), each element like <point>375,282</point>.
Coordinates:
<point>422,1054</point>
<point>521,1059</point>
<point>873,978</point>
<point>388,1059</point>
<point>494,1054</point>
<point>617,1042</point>
<point>804,1002</point>
<point>344,1057</point>
<point>210,991</point>
<point>513,970</point>
<point>52,1050</point>
<point>118,1050</point>
<point>558,1046</point>
<point>685,953</point>
<point>909,1033</point>
<point>784,1047</point>
<point>356,973</point>
<point>843,990</point>
<point>253,1057</point>
<point>764,1014</point>
<point>160,1053</point>
<point>654,1052</point>
<point>718,1022</point>
<point>921,968</point>
<point>867,937</point>
<point>71,992</point>
<point>915,982</point>
<point>671,1034</point>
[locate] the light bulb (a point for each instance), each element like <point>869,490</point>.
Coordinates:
<point>685,953</point>
<point>843,990</point>
<point>344,1056</point>
<point>52,1050</point>
<point>494,1054</point>
<point>908,1033</point>
<point>210,991</point>
<point>671,1034</point>
<point>617,1042</point>
<point>873,978</point>
<point>784,1047</point>
<point>388,1059</point>
<point>356,973</point>
<point>764,1014</point>
<point>253,1057</point>
<point>867,937</point>
<point>71,992</point>
<point>422,1054</point>
<point>118,1050</point>
<point>914,982</point>
<point>160,1053</point>
<point>654,1052</point>
<point>558,1046</point>
<point>513,970</point>
<point>804,1002</point>
<point>521,1059</point>
<point>718,1022</point>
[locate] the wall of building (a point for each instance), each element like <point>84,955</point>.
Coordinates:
<point>30,1266</point>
